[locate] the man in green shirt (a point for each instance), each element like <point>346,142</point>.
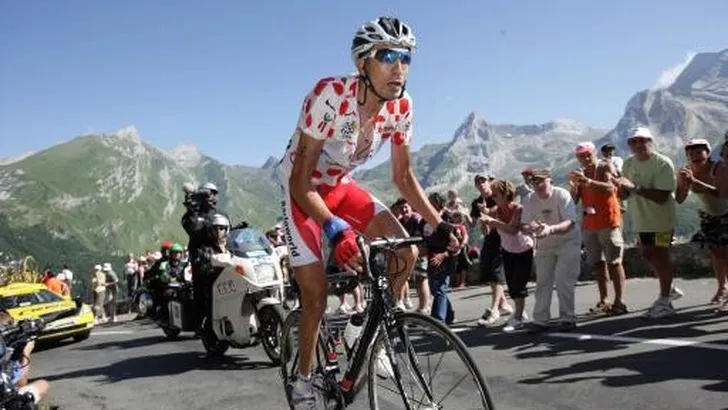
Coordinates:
<point>648,182</point>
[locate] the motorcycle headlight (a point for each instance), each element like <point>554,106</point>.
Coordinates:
<point>265,272</point>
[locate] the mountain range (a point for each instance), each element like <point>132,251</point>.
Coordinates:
<point>101,195</point>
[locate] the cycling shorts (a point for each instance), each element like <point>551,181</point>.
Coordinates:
<point>347,200</point>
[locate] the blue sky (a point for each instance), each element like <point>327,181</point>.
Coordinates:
<point>229,76</point>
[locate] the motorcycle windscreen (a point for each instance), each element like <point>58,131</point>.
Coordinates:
<point>248,243</point>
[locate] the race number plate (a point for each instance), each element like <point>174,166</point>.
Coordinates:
<point>175,310</point>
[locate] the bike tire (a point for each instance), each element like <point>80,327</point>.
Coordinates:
<point>445,333</point>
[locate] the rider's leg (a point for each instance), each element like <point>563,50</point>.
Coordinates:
<point>312,281</point>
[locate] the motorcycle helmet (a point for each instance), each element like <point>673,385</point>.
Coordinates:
<point>210,187</point>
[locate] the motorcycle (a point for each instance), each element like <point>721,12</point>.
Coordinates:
<point>175,316</point>
<point>246,297</point>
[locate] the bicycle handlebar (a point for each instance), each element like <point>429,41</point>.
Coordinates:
<point>381,243</point>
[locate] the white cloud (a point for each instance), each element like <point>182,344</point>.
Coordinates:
<point>670,75</point>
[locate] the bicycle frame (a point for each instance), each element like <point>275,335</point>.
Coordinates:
<point>380,312</point>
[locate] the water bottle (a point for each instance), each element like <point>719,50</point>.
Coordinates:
<point>353,330</point>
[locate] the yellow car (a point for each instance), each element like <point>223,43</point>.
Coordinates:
<point>63,316</point>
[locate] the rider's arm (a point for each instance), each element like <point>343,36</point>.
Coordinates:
<point>302,191</point>
<point>404,177</point>
<point>315,124</point>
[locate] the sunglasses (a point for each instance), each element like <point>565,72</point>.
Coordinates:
<point>391,55</point>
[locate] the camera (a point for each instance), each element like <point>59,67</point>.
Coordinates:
<point>195,198</point>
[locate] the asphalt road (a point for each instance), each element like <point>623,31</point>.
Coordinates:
<point>607,363</point>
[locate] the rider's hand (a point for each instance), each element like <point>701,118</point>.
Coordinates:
<point>343,244</point>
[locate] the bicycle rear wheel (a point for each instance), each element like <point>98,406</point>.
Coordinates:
<point>394,363</point>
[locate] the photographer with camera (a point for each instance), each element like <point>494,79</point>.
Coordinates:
<point>201,204</point>
<point>18,367</point>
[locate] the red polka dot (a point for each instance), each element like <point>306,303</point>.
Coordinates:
<point>379,118</point>
<point>390,107</point>
<point>338,88</point>
<point>330,134</point>
<point>316,174</point>
<point>396,118</point>
<point>332,172</point>
<point>353,87</point>
<point>321,85</point>
<point>309,120</point>
<point>398,138</point>
<point>308,106</point>
<point>385,136</point>
<point>403,106</point>
<point>343,107</point>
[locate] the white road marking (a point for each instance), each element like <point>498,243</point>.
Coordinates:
<point>637,340</point>
<point>111,332</point>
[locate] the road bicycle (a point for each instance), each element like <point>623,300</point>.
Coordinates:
<point>387,344</point>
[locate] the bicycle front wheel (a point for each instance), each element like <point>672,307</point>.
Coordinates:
<point>422,364</point>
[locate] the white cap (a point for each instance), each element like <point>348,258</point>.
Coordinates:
<point>97,267</point>
<point>641,132</point>
<point>697,141</point>
<point>107,266</point>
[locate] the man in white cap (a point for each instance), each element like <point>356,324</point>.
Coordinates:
<point>649,182</point>
<point>602,225</point>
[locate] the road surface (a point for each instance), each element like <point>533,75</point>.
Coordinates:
<point>623,363</point>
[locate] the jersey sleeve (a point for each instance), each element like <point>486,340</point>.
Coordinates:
<point>318,112</point>
<point>400,111</point>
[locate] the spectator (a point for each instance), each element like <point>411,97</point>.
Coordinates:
<point>648,182</point>
<point>56,285</point>
<point>20,365</point>
<point>66,276</point>
<point>112,290</point>
<point>131,274</point>
<point>455,204</point>
<point>98,284</point>
<point>414,224</point>
<point>699,176</point>
<point>550,215</point>
<point>440,267</point>
<point>517,248</point>
<point>608,155</point>
<point>491,259</point>
<point>524,190</point>
<point>602,225</point>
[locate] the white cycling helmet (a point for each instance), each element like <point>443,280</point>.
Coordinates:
<point>384,30</point>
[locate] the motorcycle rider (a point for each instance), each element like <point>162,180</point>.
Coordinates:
<point>160,275</point>
<point>204,274</point>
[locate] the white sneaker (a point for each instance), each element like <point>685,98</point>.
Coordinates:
<point>489,318</point>
<point>512,325</point>
<point>384,365</point>
<point>345,309</point>
<point>408,304</point>
<point>675,293</point>
<point>659,309</point>
<point>400,305</point>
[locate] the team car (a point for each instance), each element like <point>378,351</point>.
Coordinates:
<point>63,317</point>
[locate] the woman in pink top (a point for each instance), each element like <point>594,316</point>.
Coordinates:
<point>517,248</point>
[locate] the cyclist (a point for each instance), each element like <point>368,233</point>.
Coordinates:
<point>344,121</point>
